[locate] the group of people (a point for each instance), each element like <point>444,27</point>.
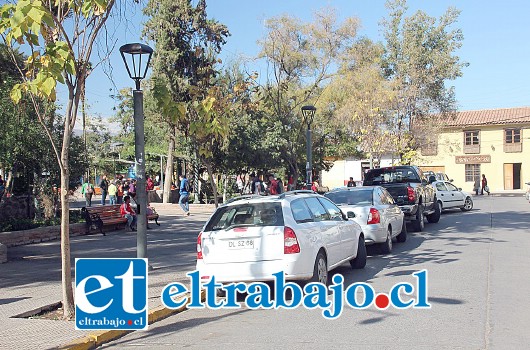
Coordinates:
<point>270,185</point>
<point>115,190</point>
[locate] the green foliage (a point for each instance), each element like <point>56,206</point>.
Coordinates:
<point>303,57</point>
<point>420,57</point>
<point>28,224</point>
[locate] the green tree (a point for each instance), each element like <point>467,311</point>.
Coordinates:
<point>360,100</point>
<point>187,44</point>
<point>302,57</point>
<point>60,38</point>
<point>420,58</point>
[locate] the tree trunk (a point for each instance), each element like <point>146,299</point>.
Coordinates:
<point>225,183</point>
<point>68,295</point>
<point>212,183</point>
<point>169,171</point>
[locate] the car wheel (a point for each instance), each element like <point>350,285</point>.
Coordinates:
<point>386,246</point>
<point>320,271</point>
<point>360,260</point>
<point>468,204</point>
<point>402,237</point>
<point>435,217</point>
<point>418,223</point>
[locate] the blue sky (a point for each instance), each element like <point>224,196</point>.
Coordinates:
<point>496,44</point>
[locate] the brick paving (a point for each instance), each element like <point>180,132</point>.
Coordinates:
<point>31,279</point>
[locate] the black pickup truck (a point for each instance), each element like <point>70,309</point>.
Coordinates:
<point>410,190</point>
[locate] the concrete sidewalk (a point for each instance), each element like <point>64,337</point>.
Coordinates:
<point>31,279</point>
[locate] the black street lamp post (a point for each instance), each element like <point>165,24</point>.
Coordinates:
<point>308,113</point>
<point>132,55</point>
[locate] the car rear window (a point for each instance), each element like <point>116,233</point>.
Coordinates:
<point>249,214</point>
<point>389,176</point>
<point>357,197</point>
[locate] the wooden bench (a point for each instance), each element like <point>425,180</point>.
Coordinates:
<point>108,215</point>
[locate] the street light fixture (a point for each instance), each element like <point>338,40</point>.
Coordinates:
<point>133,55</point>
<point>308,112</point>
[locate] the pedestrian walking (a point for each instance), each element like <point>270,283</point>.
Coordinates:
<point>2,187</point>
<point>184,194</point>
<point>149,185</point>
<point>279,185</point>
<point>273,185</point>
<point>113,190</point>
<point>88,191</point>
<point>119,192</point>
<point>485,186</point>
<point>104,186</point>
<point>127,212</point>
<point>351,183</point>
<point>476,185</point>
<point>131,192</point>
<point>239,183</point>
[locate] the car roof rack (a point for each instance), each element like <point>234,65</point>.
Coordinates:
<point>247,196</point>
<point>292,193</point>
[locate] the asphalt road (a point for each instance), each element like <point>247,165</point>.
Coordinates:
<point>479,287</point>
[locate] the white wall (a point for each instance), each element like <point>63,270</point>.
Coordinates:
<point>341,171</point>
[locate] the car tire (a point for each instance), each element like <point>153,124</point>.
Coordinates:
<point>320,270</point>
<point>468,204</point>
<point>435,217</point>
<point>360,260</point>
<point>386,246</point>
<point>402,237</point>
<point>418,223</point>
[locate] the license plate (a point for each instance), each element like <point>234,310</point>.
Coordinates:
<point>241,244</point>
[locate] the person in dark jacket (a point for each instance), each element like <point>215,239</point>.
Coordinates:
<point>104,185</point>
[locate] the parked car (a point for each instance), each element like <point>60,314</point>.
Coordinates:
<point>300,232</point>
<point>527,194</point>
<point>449,196</point>
<point>437,176</point>
<point>380,218</point>
<point>411,191</point>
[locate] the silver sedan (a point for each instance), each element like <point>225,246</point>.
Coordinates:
<point>374,209</point>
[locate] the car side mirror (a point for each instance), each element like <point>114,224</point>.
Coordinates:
<point>351,215</point>
<point>460,188</point>
<point>451,180</point>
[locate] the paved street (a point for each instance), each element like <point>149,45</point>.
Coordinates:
<point>478,287</point>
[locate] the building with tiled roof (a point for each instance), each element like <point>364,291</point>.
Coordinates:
<point>493,142</point>
<point>491,117</point>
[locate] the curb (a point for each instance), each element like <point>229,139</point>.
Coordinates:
<point>96,339</point>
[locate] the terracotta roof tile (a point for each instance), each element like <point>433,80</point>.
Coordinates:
<point>491,117</point>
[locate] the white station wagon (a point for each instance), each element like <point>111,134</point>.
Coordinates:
<point>300,233</point>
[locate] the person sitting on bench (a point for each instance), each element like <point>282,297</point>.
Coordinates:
<point>128,213</point>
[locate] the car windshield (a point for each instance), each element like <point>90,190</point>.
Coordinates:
<point>249,214</point>
<point>389,176</point>
<point>357,197</point>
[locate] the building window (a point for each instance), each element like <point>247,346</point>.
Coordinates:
<point>512,140</point>
<point>472,172</point>
<point>472,141</point>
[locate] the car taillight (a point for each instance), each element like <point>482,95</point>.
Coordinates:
<point>374,217</point>
<point>411,194</point>
<point>290,242</point>
<point>199,247</point>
